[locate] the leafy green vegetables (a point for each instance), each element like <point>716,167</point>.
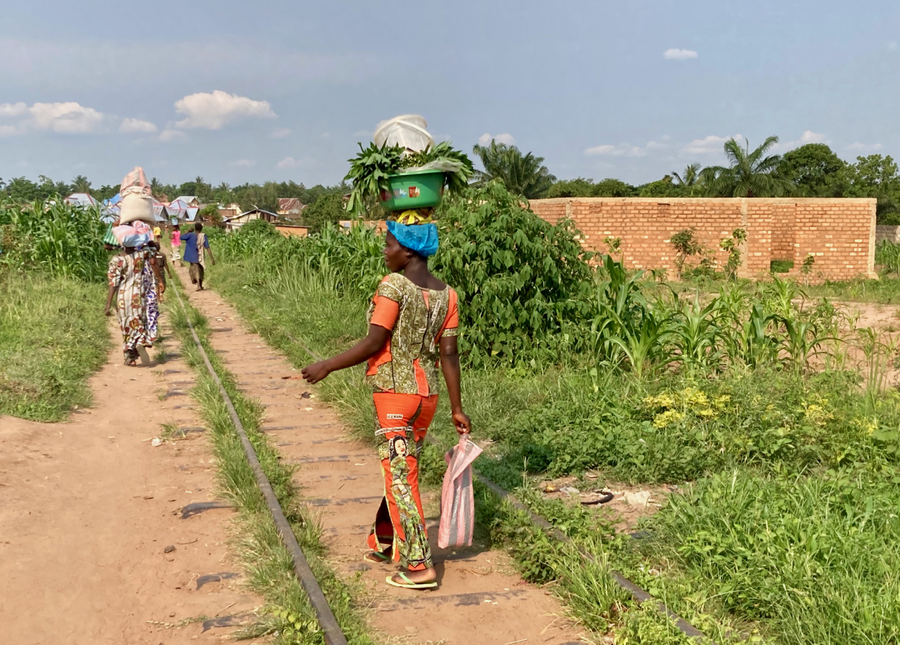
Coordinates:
<point>370,169</point>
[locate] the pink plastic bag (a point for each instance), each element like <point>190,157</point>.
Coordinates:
<point>457,496</point>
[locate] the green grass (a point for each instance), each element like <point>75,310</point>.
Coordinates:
<point>53,336</point>
<point>288,615</point>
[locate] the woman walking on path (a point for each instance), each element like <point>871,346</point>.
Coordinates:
<point>413,324</point>
<point>128,284</point>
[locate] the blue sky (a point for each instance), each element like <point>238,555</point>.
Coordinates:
<point>238,91</point>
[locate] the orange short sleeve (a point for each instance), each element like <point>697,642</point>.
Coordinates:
<point>451,321</point>
<point>385,313</point>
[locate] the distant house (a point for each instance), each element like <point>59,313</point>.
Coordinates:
<point>234,223</point>
<point>180,211</point>
<point>190,200</point>
<point>290,206</point>
<point>82,199</point>
<point>229,210</point>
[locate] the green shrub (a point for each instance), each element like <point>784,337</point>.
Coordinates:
<point>520,280</point>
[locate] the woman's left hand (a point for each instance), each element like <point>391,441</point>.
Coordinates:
<point>316,372</point>
<point>462,422</point>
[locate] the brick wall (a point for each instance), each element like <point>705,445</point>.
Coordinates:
<point>840,233</point>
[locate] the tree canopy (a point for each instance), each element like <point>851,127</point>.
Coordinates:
<point>748,174</point>
<point>812,170</point>
<point>521,174</point>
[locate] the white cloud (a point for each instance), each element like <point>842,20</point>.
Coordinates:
<point>8,110</point>
<point>244,163</point>
<point>708,145</point>
<point>290,162</point>
<point>864,147</point>
<point>624,150</point>
<point>8,131</point>
<point>281,133</point>
<point>137,125</point>
<point>214,110</point>
<point>172,135</point>
<point>68,117</point>
<point>808,136</point>
<point>485,139</point>
<point>680,54</point>
<point>892,45</point>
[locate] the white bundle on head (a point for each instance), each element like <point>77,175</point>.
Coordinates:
<point>137,200</point>
<point>407,131</point>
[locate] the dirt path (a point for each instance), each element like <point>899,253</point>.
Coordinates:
<point>88,507</point>
<point>480,600</point>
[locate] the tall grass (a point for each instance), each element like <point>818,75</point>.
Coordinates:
<point>52,331</point>
<point>53,335</point>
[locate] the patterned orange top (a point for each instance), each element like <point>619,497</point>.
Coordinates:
<point>418,318</point>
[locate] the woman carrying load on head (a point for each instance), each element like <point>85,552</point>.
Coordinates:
<point>413,322</point>
<point>127,275</point>
<point>132,275</point>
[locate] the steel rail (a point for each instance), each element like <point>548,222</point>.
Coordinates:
<point>330,627</point>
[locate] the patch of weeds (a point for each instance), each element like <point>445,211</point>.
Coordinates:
<point>170,431</point>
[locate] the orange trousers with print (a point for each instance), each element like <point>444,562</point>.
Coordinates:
<point>402,421</point>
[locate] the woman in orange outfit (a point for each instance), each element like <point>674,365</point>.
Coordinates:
<point>413,325</point>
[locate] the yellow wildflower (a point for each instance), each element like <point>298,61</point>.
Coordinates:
<point>667,418</point>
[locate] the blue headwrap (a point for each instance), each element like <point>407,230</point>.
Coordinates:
<point>421,238</point>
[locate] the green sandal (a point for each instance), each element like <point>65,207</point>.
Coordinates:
<point>376,557</point>
<point>409,584</point>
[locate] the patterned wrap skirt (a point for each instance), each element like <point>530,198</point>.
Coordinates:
<point>402,420</point>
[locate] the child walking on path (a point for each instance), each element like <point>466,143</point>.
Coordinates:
<point>196,246</point>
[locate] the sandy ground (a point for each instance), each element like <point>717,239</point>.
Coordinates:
<point>480,601</point>
<point>89,507</point>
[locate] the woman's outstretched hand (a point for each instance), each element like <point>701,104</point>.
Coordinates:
<point>316,372</point>
<point>462,422</point>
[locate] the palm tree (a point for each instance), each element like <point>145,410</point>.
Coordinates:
<point>522,174</point>
<point>156,186</point>
<point>690,178</point>
<point>81,184</point>
<point>749,174</point>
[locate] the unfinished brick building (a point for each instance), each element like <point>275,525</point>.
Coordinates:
<point>839,233</point>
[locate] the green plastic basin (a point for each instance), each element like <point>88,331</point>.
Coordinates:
<point>409,190</point>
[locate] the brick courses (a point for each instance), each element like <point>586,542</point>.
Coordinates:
<point>840,233</point>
